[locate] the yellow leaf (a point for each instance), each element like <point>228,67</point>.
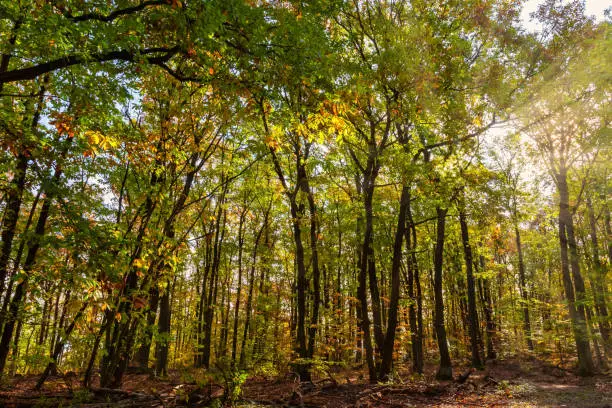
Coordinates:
<point>94,138</point>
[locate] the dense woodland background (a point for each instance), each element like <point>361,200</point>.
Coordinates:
<point>257,187</point>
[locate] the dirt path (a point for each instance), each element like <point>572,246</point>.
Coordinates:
<point>511,383</point>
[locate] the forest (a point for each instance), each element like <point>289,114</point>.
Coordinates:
<point>335,203</point>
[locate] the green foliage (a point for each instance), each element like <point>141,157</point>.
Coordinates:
<point>160,160</point>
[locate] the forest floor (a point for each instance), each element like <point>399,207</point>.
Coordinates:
<point>508,383</point>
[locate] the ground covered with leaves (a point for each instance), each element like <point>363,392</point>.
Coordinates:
<point>509,383</point>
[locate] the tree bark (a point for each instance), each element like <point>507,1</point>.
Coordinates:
<point>471,291</point>
<point>142,356</point>
<point>574,290</point>
<point>445,369</point>
<point>487,305</point>
<point>59,346</point>
<point>33,247</point>
<point>523,289</point>
<point>239,284</point>
<point>16,189</point>
<point>599,283</point>
<point>163,324</point>
<point>415,309</point>
<point>11,215</point>
<point>247,320</point>
<point>314,255</point>
<point>389,341</point>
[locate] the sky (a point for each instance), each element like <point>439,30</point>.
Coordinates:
<point>597,7</point>
<point>593,7</point>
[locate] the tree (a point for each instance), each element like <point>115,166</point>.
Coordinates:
<point>567,133</point>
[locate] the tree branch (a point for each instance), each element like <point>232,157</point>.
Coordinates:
<point>462,139</point>
<point>114,15</point>
<point>70,60</point>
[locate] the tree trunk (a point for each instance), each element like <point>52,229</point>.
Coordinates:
<point>445,370</point>
<point>367,271</point>
<point>608,225</point>
<point>212,290</point>
<point>16,189</point>
<point>487,305</point>
<point>471,291</point>
<point>163,324</point>
<point>599,283</point>
<point>239,285</point>
<point>59,346</point>
<point>142,356</point>
<point>44,322</point>
<point>297,214</point>
<point>523,289</point>
<point>247,320</point>
<point>389,341</point>
<point>11,215</point>
<point>94,350</point>
<point>33,247</point>
<point>314,254</point>
<point>415,309</point>
<point>574,291</point>
<point>203,301</point>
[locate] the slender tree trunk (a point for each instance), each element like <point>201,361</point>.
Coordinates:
<point>33,247</point>
<point>212,290</point>
<point>414,281</point>
<point>18,331</point>
<point>142,356</point>
<point>163,324</point>
<point>44,322</point>
<point>198,358</point>
<point>247,320</point>
<point>15,190</point>
<point>120,331</point>
<point>471,292</point>
<point>239,285</point>
<point>445,370</point>
<point>11,215</point>
<point>523,289</point>
<point>314,254</point>
<point>60,326</point>
<point>55,328</point>
<point>387,352</point>
<point>487,304</point>
<point>301,286</point>
<point>415,339</point>
<point>297,215</point>
<point>608,226</point>
<point>574,291</point>
<point>225,317</point>
<point>599,283</point>
<point>94,350</point>
<point>366,271</point>
<point>52,365</point>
